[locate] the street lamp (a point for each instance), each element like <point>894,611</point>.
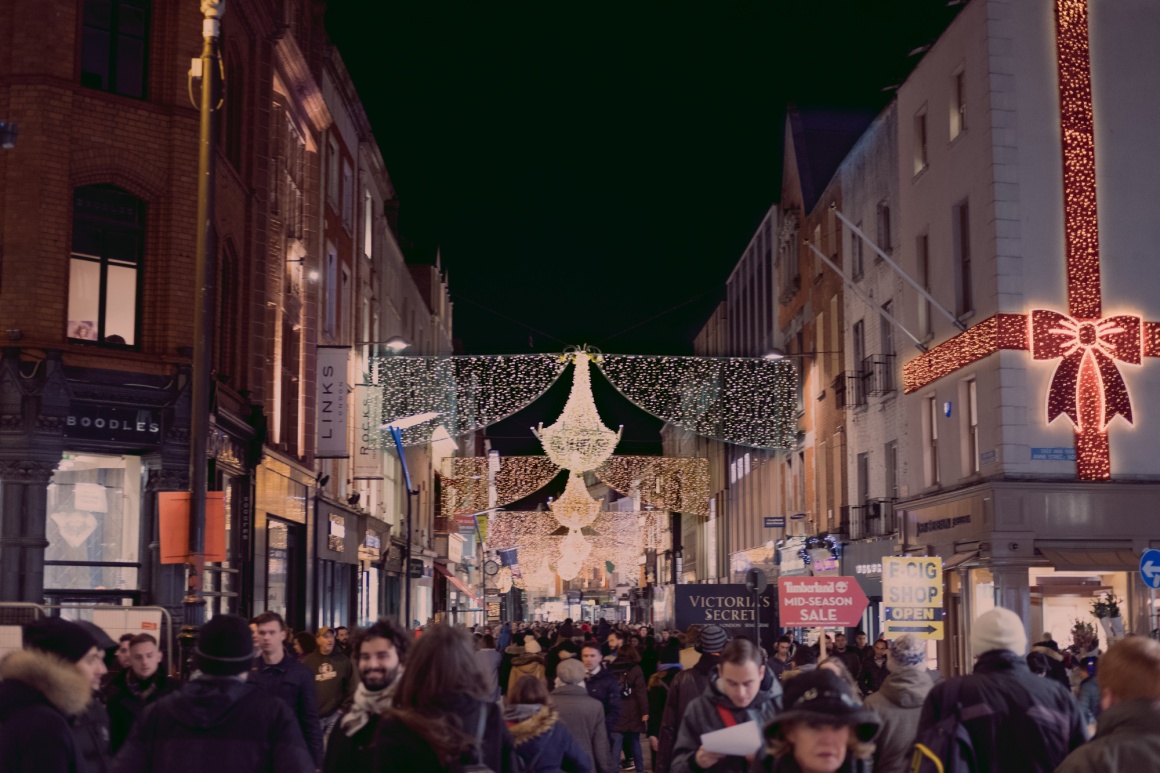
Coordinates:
<point>396,344</point>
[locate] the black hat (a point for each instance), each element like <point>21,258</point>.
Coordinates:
<point>225,646</point>
<point>59,637</point>
<point>823,696</point>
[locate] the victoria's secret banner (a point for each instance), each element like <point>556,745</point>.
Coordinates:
<point>729,606</point>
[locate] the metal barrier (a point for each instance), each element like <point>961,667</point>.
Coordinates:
<point>20,613</point>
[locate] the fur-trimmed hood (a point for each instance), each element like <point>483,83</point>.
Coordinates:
<point>60,682</point>
<point>1055,655</point>
<point>527,721</point>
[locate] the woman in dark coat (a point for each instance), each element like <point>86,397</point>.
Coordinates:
<point>543,743</point>
<point>442,718</point>
<point>633,705</point>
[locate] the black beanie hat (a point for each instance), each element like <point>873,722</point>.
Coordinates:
<point>59,637</point>
<point>225,646</point>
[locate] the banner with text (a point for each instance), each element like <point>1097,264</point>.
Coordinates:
<point>368,463</point>
<point>330,399</point>
<point>729,606</point>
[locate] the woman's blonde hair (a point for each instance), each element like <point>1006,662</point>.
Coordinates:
<point>779,746</point>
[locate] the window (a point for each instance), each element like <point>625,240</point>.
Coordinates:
<point>733,471</point>
<point>964,297</point>
<point>368,224</point>
<point>972,418</point>
<point>857,257</point>
<point>115,46</point>
<point>922,253</point>
<point>330,321</point>
<point>958,104</point>
<point>347,196</point>
<point>332,171</point>
<point>863,479</point>
<point>886,329</point>
<point>884,240</point>
<point>930,446</point>
<point>230,115</point>
<point>345,306</point>
<point>107,242</point>
<point>819,266</point>
<point>891,454</point>
<point>920,160</point>
<point>859,344</point>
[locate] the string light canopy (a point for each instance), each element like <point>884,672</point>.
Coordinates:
<point>579,441</point>
<point>664,482</point>
<point>465,489</point>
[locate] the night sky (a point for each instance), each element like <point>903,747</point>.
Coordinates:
<point>592,172</point>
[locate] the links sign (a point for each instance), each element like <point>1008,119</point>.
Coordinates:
<point>912,594</point>
<point>828,602</point>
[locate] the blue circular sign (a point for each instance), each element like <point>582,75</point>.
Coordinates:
<point>1150,568</point>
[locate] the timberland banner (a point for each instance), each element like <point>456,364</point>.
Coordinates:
<point>729,606</point>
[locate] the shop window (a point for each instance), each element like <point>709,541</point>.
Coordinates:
<point>284,570</point>
<point>220,583</point>
<point>94,524</point>
<point>107,242</point>
<point>115,46</point>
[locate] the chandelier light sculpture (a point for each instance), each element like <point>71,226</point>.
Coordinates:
<point>575,508</point>
<point>578,441</point>
<point>574,550</point>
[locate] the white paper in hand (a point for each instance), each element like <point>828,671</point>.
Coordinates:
<point>737,741</point>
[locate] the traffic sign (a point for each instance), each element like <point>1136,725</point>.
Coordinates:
<point>831,602</point>
<point>1150,568</point>
<point>912,591</point>
<point>774,521</point>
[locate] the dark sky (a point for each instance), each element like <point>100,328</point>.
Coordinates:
<point>585,168</point>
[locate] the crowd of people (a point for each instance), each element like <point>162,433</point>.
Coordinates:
<point>568,697</point>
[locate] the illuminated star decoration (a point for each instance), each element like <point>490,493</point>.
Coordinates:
<point>1087,386</point>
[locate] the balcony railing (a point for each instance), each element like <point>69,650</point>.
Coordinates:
<point>878,374</point>
<point>876,518</point>
<point>850,389</point>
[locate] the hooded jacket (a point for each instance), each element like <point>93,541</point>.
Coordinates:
<point>221,724</point>
<point>704,716</point>
<point>1056,667</point>
<point>543,743</point>
<point>39,693</point>
<point>899,703</point>
<point>1127,739</point>
<point>686,687</point>
<point>526,665</point>
<point>398,747</point>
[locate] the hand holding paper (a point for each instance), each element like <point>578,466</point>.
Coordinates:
<point>737,741</point>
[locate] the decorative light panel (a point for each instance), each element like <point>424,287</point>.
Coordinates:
<point>664,482</point>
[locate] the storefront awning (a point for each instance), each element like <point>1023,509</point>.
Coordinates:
<point>458,583</point>
<point>958,559</point>
<point>1091,559</point>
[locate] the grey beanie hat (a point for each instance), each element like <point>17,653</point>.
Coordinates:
<point>713,639</point>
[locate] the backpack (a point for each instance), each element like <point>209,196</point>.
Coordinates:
<point>946,746</point>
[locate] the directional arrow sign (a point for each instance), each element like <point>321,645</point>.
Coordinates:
<point>912,589</point>
<point>1150,568</point>
<point>923,629</point>
<point>830,602</point>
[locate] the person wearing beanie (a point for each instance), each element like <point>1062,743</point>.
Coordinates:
<point>218,721</point>
<point>686,687</point>
<point>530,663</point>
<point>899,703</point>
<point>582,714</point>
<point>1016,721</point>
<point>43,688</point>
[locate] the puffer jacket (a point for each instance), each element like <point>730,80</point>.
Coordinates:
<point>526,665</point>
<point>543,743</point>
<point>1127,739</point>
<point>704,716</point>
<point>899,703</point>
<point>685,688</point>
<point>39,695</point>
<point>634,707</point>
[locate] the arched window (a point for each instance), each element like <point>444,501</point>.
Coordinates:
<point>104,272</point>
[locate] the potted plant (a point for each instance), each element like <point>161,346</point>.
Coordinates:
<point>1106,609</point>
<point>1084,641</point>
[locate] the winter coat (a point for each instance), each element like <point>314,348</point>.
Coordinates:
<point>1089,700</point>
<point>399,748</point>
<point>658,693</point>
<point>39,695</point>
<point>873,675</point>
<point>850,659</point>
<point>1127,739</point>
<point>91,731</point>
<point>543,743</point>
<point>559,652</point>
<point>1031,723</point>
<point>584,717</point>
<point>634,707</point>
<point>334,680</point>
<point>779,667</point>
<point>510,653</point>
<point>126,698</point>
<point>685,688</point>
<point>488,662</point>
<point>604,688</point>
<point>704,716</point>
<point>899,703</point>
<point>220,724</point>
<point>526,665</point>
<point>1056,668</point>
<point>293,683</point>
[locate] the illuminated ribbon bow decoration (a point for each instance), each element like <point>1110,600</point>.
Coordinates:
<point>1087,376</point>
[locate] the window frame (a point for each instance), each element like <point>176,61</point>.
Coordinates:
<point>112,55</point>
<point>972,422</point>
<point>921,141</point>
<point>930,444</point>
<point>922,260</point>
<point>958,111</point>
<point>884,235</point>
<point>961,235</point>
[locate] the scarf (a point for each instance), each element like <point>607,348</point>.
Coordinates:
<point>367,703</point>
<point>143,688</point>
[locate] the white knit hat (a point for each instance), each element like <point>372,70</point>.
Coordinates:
<point>998,629</point>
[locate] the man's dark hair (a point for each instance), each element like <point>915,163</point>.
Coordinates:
<point>785,639</point>
<point>804,656</point>
<point>341,628</point>
<point>269,617</point>
<point>1037,662</point>
<point>388,629</point>
<point>125,637</point>
<point>488,641</point>
<point>741,651</point>
<point>141,638</point>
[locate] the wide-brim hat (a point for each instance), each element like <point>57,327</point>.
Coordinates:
<point>823,696</point>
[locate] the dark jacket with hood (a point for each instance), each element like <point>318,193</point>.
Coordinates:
<point>527,664</point>
<point>1056,667</point>
<point>126,698</point>
<point>399,747</point>
<point>222,724</point>
<point>1127,739</point>
<point>39,695</point>
<point>510,653</point>
<point>634,707</point>
<point>704,716</point>
<point>1029,723</point>
<point>685,688</point>
<point>604,688</point>
<point>899,703</point>
<point>543,743</point>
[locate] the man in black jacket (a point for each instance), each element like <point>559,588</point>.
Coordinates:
<point>280,675</point>
<point>601,685</point>
<point>1017,721</point>
<point>686,687</point>
<point>218,722</point>
<point>144,682</point>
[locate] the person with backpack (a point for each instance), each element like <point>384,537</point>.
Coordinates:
<point>686,687</point>
<point>899,703</point>
<point>1000,718</point>
<point>543,742</point>
<point>633,706</point>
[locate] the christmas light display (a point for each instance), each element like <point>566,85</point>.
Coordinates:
<point>574,551</point>
<point>465,490</point>
<point>664,482</point>
<point>1087,385</point>
<point>741,400</point>
<point>578,441</point>
<point>575,508</point>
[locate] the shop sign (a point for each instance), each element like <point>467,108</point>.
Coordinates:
<point>415,568</point>
<point>367,455</point>
<point>774,521</point>
<point>729,606</point>
<point>336,533</point>
<point>829,602</point>
<point>912,593</point>
<point>94,421</point>
<point>941,524</point>
<point>372,540</point>
<point>823,563</point>
<point>792,561</point>
<point>1062,454</point>
<point>466,524</point>
<point>330,399</point>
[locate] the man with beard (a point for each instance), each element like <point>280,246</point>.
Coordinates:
<point>142,683</point>
<point>378,653</point>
